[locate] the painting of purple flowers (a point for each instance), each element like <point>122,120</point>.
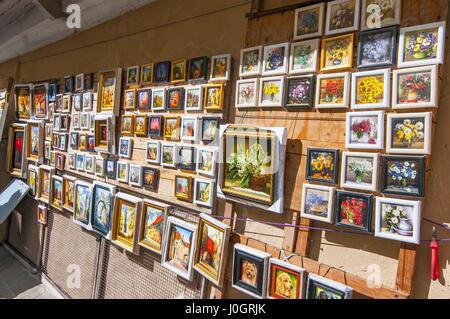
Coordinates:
<point>377,48</point>
<point>299,91</point>
<point>421,45</point>
<point>276,59</point>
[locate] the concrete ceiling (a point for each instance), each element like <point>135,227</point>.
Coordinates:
<point>26,25</point>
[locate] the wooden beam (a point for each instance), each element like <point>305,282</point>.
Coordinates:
<point>303,238</point>
<point>406,268</point>
<point>52,8</point>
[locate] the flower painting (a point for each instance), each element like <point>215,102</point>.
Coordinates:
<point>403,175</point>
<point>415,87</point>
<point>322,165</point>
<point>359,171</point>
<point>309,21</point>
<point>371,89</point>
<point>250,61</point>
<point>354,210</point>
<point>409,133</point>
<point>389,12</point>
<point>246,93</point>
<point>332,90</point>
<point>365,130</point>
<point>276,59</point>
<point>420,45</point>
<point>377,48</point>
<point>154,217</point>
<point>342,16</point>
<point>304,57</point>
<point>271,91</point>
<point>299,91</point>
<point>337,53</point>
<point>317,202</point>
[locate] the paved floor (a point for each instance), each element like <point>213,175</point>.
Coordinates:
<point>17,282</point>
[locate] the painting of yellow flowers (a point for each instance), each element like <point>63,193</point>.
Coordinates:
<point>322,165</point>
<point>271,92</point>
<point>337,53</point>
<point>371,89</point>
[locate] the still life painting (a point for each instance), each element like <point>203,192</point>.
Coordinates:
<point>271,92</point>
<point>337,53</point>
<point>300,91</point>
<point>359,171</point>
<point>365,130</point>
<point>377,48</point>
<point>332,90</point>
<point>246,93</point>
<point>371,89</point>
<point>403,175</point>
<point>322,165</point>
<point>354,210</point>
<point>250,61</point>
<point>317,203</point>
<point>342,16</point>
<point>304,57</point>
<point>309,21</point>
<point>275,60</point>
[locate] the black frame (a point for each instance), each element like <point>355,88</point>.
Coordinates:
<point>367,221</point>
<point>183,166</point>
<point>420,176</point>
<point>52,91</point>
<point>156,174</point>
<point>180,106</point>
<point>74,146</point>
<point>393,53</point>
<point>312,80</point>
<point>335,153</point>
<point>204,119</point>
<point>89,81</point>
<point>166,78</point>
<point>239,256</point>
<point>69,83</point>
<point>101,230</point>
<point>204,60</point>
<point>90,149</point>
<point>149,106</point>
<point>161,126</point>
<point>111,175</point>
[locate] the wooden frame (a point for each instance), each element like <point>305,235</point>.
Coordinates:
<point>14,171</point>
<point>123,128</point>
<point>147,73</point>
<point>174,134</point>
<point>309,93</point>
<point>180,195</point>
<point>44,189</point>
<point>175,98</point>
<point>124,178</point>
<point>174,78</point>
<point>111,102</point>
<point>40,115</point>
<point>42,215</point>
<point>23,96</point>
<point>216,103</point>
<point>150,179</point>
<point>69,193</point>
<point>141,119</point>
<point>104,122</point>
<point>33,179</point>
<point>36,156</point>
<point>130,100</point>
<point>54,200</point>
<point>79,82</point>
<point>159,214</point>
<point>201,76</point>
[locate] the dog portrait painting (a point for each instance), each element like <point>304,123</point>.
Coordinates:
<point>249,273</point>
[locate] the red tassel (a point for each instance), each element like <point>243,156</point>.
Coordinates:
<point>435,271</point>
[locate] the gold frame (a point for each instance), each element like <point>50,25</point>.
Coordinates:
<point>350,52</point>
<point>66,181</point>
<point>165,210</point>
<point>222,97</point>
<point>12,130</point>
<point>180,61</point>
<point>178,128</point>
<point>30,99</point>
<point>33,106</point>
<point>126,244</point>
<point>134,101</point>
<point>29,156</point>
<point>143,134</point>
<point>117,74</point>
<point>131,116</point>
<point>52,195</point>
<point>51,172</point>
<point>190,196</point>
<point>152,65</point>
<point>97,129</point>
<point>35,170</point>
<point>82,146</point>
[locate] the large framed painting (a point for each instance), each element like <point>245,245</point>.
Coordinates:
<point>354,211</point>
<point>322,288</point>
<point>342,16</point>
<point>322,165</point>
<point>333,90</point>
<point>276,59</point>
<point>34,145</point>
<point>308,22</point>
<point>377,48</point>
<point>337,53</point>
<point>179,246</point>
<point>17,159</point>
<point>286,281</point>
<point>304,57</point>
<point>251,62</point>
<point>380,13</point>
<point>152,225</point>
<point>317,203</point>
<point>371,89</point>
<point>415,88</point>
<point>23,98</point>
<point>365,130</point>
<point>403,175</point>
<point>102,208</point>
<point>45,183</point>
<point>421,45</point>
<point>125,228</point>
<point>109,89</point>
<point>211,249</point>
<point>409,133</point>
<point>83,203</point>
<point>360,171</point>
<point>250,271</point>
<point>69,193</point>
<point>40,101</point>
<point>398,219</point>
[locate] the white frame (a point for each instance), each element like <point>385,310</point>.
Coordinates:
<point>191,227</point>
<point>74,155</point>
<point>139,183</point>
<point>280,79</point>
<point>285,68</point>
<point>82,183</point>
<point>347,291</point>
<point>93,164</point>
<point>293,268</point>
<point>330,190</point>
<point>174,153</point>
<point>137,67</point>
<point>164,91</point>
<point>381,128</point>
<point>397,20</point>
<point>90,106</point>
<point>88,116</point>
<point>75,127</point>
<point>434,88</point>
<point>345,104</point>
<point>34,168</point>
<point>227,76</point>
<point>314,43</point>
<point>113,191</point>
<point>79,168</point>
<point>189,138</point>
<point>78,77</point>
<point>255,82</point>
<point>440,50</point>
<point>211,196</point>
<point>163,207</point>
<point>258,254</point>
<point>69,97</point>
<point>128,155</point>
<point>158,154</point>
<point>427,138</point>
<point>200,100</point>
<point>356,20</point>
<point>319,33</point>
<point>386,94</point>
<point>59,179</point>
<point>253,73</point>
<point>99,158</point>
<point>375,159</point>
<point>415,239</point>
<point>214,158</point>
<point>125,180</point>
<point>77,102</point>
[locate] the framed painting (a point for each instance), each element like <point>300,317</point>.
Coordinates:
<point>48,132</point>
<point>34,143</point>
<point>85,120</point>
<point>110,168</point>
<point>69,84</point>
<point>354,211</point>
<point>125,227</point>
<point>100,167</point>
<point>403,175</point>
<point>379,13</point>
<point>153,152</point>
<point>175,99</point>
<point>189,128</point>
<point>365,130</point>
<point>143,100</point>
<point>40,101</point>
<point>186,158</point>
<point>60,161</point>
<point>308,21</point>
<point>132,76</point>
<point>52,91</point>
<point>179,246</point>
<point>89,164</point>
<point>193,100</point>
<point>125,147</point>
<point>377,48</point>
<point>65,123</point>
<point>56,192</point>
<point>79,82</point>
<point>317,203</point>
<point>42,215</point>
<point>198,68</point>
<point>123,172</point>
<point>80,160</point>
<point>102,207</point>
<point>286,281</point>
<point>168,155</point>
<point>162,72</point>
<point>127,124</point>
<point>206,161</point>
<point>337,53</point>
<point>359,171</point>
<point>210,128</point>
<point>23,98</point>
<point>135,173</point>
<point>409,133</point>
<point>322,165</point>
<point>211,249</point>
<point>159,99</point>
<point>304,57</point>
<point>251,61</point>
<point>44,183</point>
<point>220,67</point>
<point>300,92</point>
<point>371,89</point>
<point>68,201</point>
<point>71,160</point>
<point>214,95</point>
<point>87,102</point>
<point>342,16</point>
<point>322,288</point>
<point>398,219</point>
<point>33,179</point>
<point>141,125</point>
<point>147,71</point>
<point>130,100</point>
<point>17,158</point>
<point>415,88</point>
<point>83,142</point>
<point>67,103</point>
<point>152,225</point>
<point>247,93</point>
<point>155,126</point>
<point>250,271</point>
<point>150,178</point>
<point>77,102</point>
<point>184,188</point>
<point>172,127</point>
<point>83,203</point>
<point>271,91</point>
<point>88,81</point>
<point>332,90</point>
<point>421,45</point>
<point>178,73</point>
<point>47,149</point>
<point>104,133</point>
<point>109,88</point>
<point>203,192</point>
<point>90,143</point>
<point>76,121</point>
<point>276,59</point>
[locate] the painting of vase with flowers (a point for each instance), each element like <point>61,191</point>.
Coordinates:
<point>364,130</point>
<point>421,45</point>
<point>354,210</point>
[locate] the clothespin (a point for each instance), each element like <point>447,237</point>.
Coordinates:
<point>435,270</point>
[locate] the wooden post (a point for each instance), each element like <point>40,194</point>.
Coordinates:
<point>406,268</point>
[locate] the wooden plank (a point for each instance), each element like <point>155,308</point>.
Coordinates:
<point>406,268</point>
<point>303,238</point>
